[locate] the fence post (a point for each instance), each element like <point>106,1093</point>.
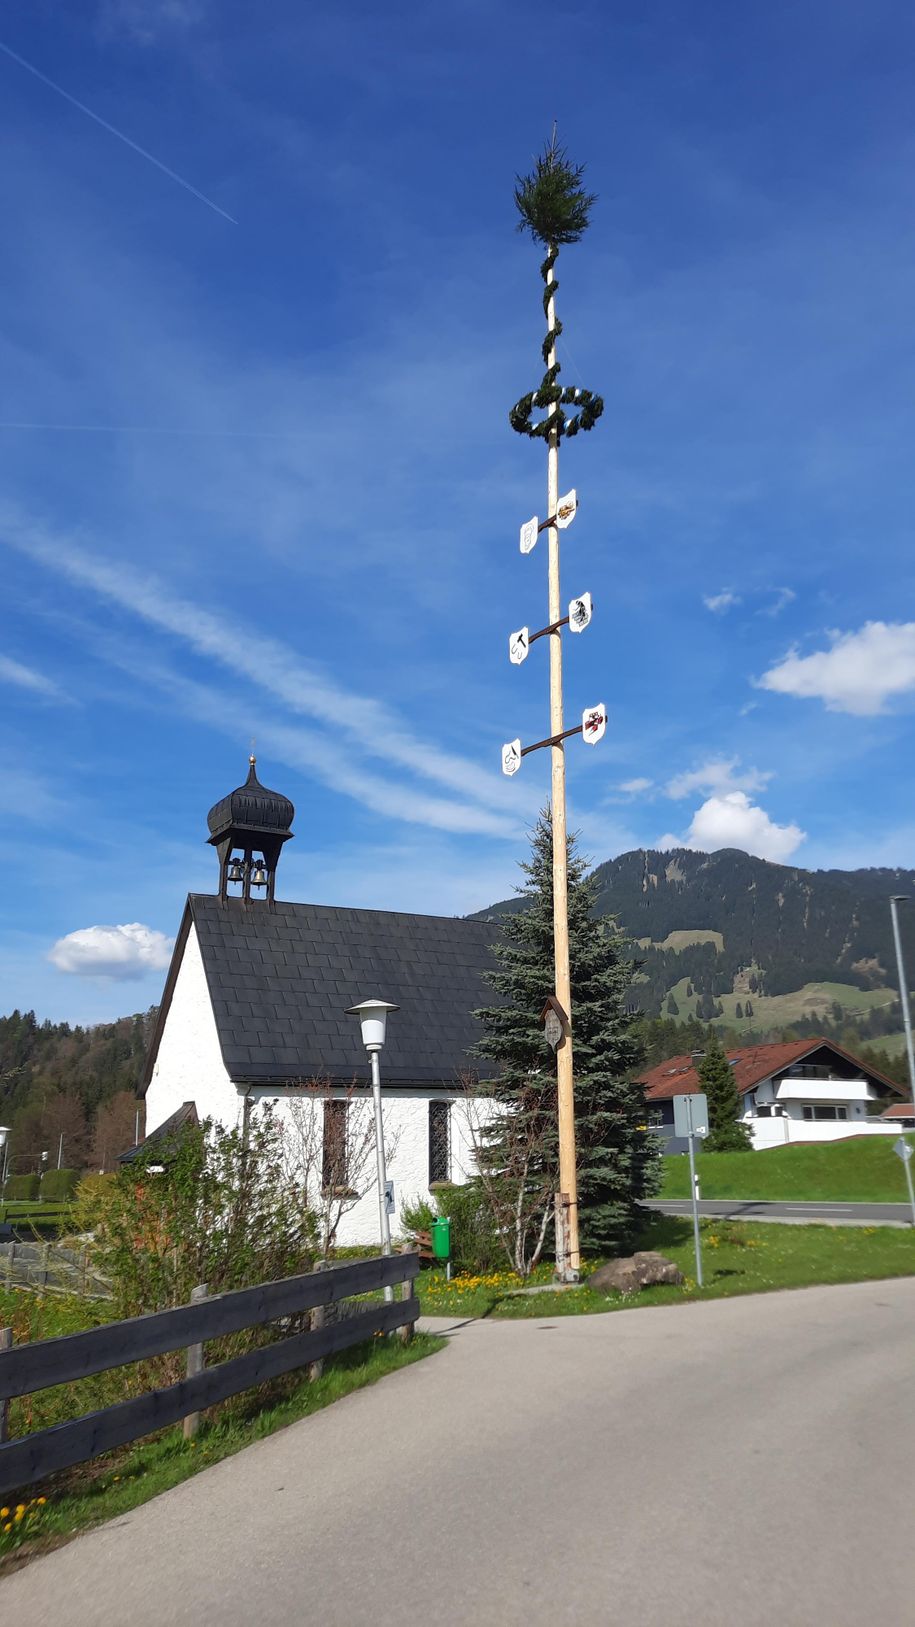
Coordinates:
<point>84,1270</point>
<point>194,1365</point>
<point>45,1255</point>
<point>6,1343</point>
<point>8,1279</point>
<point>406,1292</point>
<point>316,1320</point>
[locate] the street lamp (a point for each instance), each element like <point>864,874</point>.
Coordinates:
<point>4,1149</point>
<point>902,898</point>
<point>373,1015</point>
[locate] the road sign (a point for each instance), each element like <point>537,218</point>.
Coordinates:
<point>594,724</point>
<point>528,535</point>
<point>519,646</point>
<point>691,1115</point>
<point>902,1149</point>
<point>580,613</point>
<point>511,757</point>
<point>389,1197</point>
<point>565,509</point>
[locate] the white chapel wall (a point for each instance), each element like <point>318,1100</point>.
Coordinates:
<point>189,1065</point>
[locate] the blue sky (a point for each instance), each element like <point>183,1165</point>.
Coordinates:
<point>260,331</point>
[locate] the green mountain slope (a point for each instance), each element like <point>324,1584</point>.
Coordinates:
<point>781,928</point>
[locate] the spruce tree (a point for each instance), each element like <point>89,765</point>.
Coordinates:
<point>617,1160</point>
<point>716,1078</point>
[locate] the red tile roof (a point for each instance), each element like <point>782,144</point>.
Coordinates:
<point>677,1076</point>
<point>899,1110</point>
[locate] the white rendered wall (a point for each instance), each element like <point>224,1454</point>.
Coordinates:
<point>406,1133</point>
<point>778,1132</point>
<point>189,1065</point>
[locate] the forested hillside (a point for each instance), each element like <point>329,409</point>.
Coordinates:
<point>762,946</point>
<point>76,1082</point>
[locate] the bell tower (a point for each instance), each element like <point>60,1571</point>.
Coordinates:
<point>248,829</point>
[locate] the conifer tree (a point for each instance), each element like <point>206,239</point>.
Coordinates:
<point>716,1078</point>
<point>617,1159</point>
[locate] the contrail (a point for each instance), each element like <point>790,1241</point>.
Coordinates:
<point>156,429</point>
<point>119,133</point>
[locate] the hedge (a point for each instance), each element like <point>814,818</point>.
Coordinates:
<point>57,1185</point>
<point>21,1189</point>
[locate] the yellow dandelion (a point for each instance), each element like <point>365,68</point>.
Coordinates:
<point>4,1513</point>
<point>43,1500</point>
<point>7,1528</point>
<point>20,1508</point>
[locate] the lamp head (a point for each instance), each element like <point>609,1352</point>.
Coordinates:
<point>373,1016</point>
<point>4,1132</point>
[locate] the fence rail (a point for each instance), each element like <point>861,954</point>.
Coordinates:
<point>42,1363</point>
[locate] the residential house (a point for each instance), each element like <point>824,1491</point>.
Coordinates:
<point>802,1090</point>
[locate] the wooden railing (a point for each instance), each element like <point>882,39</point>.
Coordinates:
<point>35,1366</point>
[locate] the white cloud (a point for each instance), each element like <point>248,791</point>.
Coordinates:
<point>720,603</point>
<point>146,20</point>
<point>633,787</point>
<point>858,674</point>
<point>120,952</point>
<point>719,775</point>
<point>783,597</point>
<point>732,820</point>
<point>13,672</point>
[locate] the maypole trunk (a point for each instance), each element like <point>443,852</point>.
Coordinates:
<point>567,1253</point>
<point>554,207</point>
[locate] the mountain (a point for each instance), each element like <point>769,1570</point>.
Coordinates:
<point>726,929</point>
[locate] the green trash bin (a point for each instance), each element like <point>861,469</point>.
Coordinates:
<point>441,1237</point>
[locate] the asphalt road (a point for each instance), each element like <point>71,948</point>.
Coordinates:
<point>835,1214</point>
<point>736,1463</point>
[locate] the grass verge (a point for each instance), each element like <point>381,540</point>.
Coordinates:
<point>863,1169</point>
<point>738,1258</point>
<point>113,1485</point>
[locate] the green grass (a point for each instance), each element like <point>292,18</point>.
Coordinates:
<point>738,1258</point>
<point>780,1010</point>
<point>863,1169</point>
<point>113,1485</point>
<point>35,1214</point>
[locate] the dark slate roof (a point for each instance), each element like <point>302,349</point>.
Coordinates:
<point>165,1138</point>
<point>280,979</point>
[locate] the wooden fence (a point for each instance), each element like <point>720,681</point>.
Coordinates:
<point>36,1365</point>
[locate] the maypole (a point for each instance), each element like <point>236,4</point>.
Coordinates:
<point>555,209</point>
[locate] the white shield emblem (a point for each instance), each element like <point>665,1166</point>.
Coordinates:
<point>580,613</point>
<point>518,646</point>
<point>528,535</point>
<point>565,509</point>
<point>511,757</point>
<point>593,724</point>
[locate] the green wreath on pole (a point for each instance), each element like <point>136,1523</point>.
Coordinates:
<point>555,208</point>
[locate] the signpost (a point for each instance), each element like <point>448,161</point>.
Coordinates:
<point>690,1121</point>
<point>902,1150</point>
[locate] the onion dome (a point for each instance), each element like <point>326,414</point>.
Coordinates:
<point>252,808</point>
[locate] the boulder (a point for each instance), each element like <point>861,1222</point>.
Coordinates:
<point>629,1275</point>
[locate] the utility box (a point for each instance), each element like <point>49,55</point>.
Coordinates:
<point>441,1237</point>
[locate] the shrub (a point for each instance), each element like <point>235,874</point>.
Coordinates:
<point>89,1199</point>
<point>416,1215</point>
<point>475,1243</point>
<point>57,1185</point>
<point>223,1211</point>
<point>21,1189</point>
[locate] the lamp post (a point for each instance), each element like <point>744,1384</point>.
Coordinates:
<point>373,1015</point>
<point>4,1149</point>
<point>902,898</point>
